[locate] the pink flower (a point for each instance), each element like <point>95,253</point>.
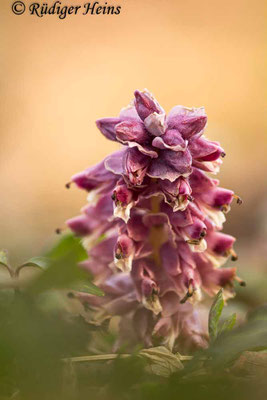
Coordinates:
<point>162,146</point>
<point>161,218</point>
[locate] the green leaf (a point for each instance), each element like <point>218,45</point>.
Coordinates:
<point>61,273</point>
<point>61,269</point>
<point>89,288</point>
<point>161,360</point>
<point>214,315</point>
<point>3,257</point>
<point>228,324</point>
<point>38,262</point>
<point>65,244</point>
<point>251,336</point>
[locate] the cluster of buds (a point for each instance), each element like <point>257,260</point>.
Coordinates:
<point>160,217</point>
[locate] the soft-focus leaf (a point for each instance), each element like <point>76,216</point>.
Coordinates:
<point>32,344</point>
<point>61,273</point>
<point>161,360</point>
<point>62,270</point>
<point>89,288</point>
<point>38,262</point>
<point>228,324</point>
<point>214,315</point>
<point>3,257</point>
<point>64,245</point>
<point>250,336</point>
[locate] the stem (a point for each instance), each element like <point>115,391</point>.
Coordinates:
<point>107,357</point>
<point>155,204</point>
<point>100,357</point>
<point>157,234</point>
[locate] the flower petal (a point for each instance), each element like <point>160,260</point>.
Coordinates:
<point>170,259</point>
<point>114,162</point>
<point>129,113</point>
<point>132,131</point>
<point>144,149</point>
<point>172,140</point>
<point>135,166</point>
<point>205,150</point>
<point>188,121</point>
<point>146,104</point>
<point>93,177</point>
<point>80,225</point>
<point>217,197</point>
<point>170,165</point>
<point>136,228</point>
<point>124,253</point>
<point>107,127</point>
<point>155,123</point>
<point>220,243</point>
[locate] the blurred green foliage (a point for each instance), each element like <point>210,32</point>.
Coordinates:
<point>46,348</point>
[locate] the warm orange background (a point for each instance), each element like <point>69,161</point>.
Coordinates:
<point>59,76</point>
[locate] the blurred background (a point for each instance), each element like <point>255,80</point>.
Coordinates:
<point>59,76</point>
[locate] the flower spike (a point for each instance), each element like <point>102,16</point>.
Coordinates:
<point>160,218</point>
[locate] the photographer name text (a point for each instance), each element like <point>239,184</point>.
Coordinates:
<point>62,10</point>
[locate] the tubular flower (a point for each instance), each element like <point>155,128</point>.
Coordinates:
<point>161,217</point>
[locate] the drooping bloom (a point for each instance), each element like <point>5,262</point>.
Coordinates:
<point>160,216</point>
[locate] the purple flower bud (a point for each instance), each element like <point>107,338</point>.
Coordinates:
<point>135,166</point>
<point>118,284</point>
<point>93,177</point>
<point>179,187</point>
<point>148,287</point>
<point>114,163</point>
<point>119,296</point>
<point>172,140</point>
<point>107,127</point>
<point>145,104</point>
<point>124,247</point>
<point>170,165</point>
<point>122,194</point>
<point>178,193</point>
<point>188,121</point>
<point>217,197</point>
<point>101,211</point>
<point>220,243</point>
<point>123,200</point>
<point>205,150</point>
<point>124,253</point>
<point>214,278</point>
<point>197,230</point>
<point>132,130</point>
<point>184,187</point>
<point>150,297</point>
<point>103,251</point>
<point>200,182</point>
<point>80,225</point>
